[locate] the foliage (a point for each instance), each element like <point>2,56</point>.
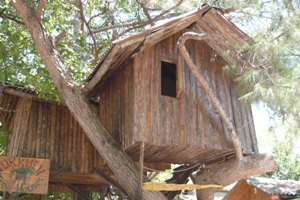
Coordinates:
<point>84,29</point>
<point>272,75</point>
<point>286,155</point>
<point>57,195</point>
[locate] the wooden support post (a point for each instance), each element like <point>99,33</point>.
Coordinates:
<point>141,161</point>
<point>77,194</point>
<point>112,181</point>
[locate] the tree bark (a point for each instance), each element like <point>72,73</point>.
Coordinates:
<point>243,166</point>
<point>122,166</point>
<point>230,172</point>
<point>201,80</point>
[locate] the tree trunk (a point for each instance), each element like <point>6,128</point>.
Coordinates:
<point>230,172</point>
<point>227,172</point>
<point>122,166</point>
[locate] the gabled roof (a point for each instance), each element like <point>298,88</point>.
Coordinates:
<point>273,186</point>
<point>205,19</point>
<point>288,188</point>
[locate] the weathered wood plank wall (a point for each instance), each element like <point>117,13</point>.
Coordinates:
<point>245,191</point>
<point>182,129</point>
<point>7,108</point>
<point>46,130</point>
<point>185,129</point>
<point>116,104</point>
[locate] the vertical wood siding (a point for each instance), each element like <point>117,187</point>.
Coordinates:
<point>188,122</point>
<point>46,130</point>
<point>184,129</point>
<point>116,103</point>
<point>245,191</point>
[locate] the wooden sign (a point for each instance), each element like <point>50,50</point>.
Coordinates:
<point>24,175</point>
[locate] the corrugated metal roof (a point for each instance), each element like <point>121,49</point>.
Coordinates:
<point>17,87</point>
<point>273,186</point>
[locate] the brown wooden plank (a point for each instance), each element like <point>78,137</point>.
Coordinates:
<point>30,132</point>
<point>20,126</point>
<point>58,187</point>
<point>137,92</point>
<point>79,149</point>
<point>155,95</point>
<point>67,137</point>
<point>62,137</point>
<point>127,101</point>
<point>149,93</point>
<point>35,129</point>
<point>76,178</point>
<point>74,145</point>
<point>83,154</point>
<point>70,141</point>
<point>252,130</point>
<point>52,138</point>
<point>39,130</point>
<point>237,116</point>
<point>44,130</point>
<point>57,145</point>
<point>48,128</point>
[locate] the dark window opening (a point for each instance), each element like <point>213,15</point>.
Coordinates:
<point>168,79</point>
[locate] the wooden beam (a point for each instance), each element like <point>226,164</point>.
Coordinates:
<point>60,187</point>
<point>111,181</point>
<point>77,192</point>
<point>77,178</point>
<point>141,162</point>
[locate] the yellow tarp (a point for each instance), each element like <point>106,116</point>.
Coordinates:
<point>174,187</point>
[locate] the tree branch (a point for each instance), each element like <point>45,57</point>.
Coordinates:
<point>40,8</point>
<point>215,102</point>
<point>138,24</point>
<point>168,10</point>
<point>123,25</point>
<point>109,149</point>
<point>60,36</point>
<point>146,12</point>
<point>2,11</point>
<point>289,5</point>
<point>232,171</point>
<point>81,12</point>
<point>12,18</point>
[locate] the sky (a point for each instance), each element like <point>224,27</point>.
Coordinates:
<point>262,122</point>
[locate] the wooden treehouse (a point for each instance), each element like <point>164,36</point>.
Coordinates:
<point>144,92</point>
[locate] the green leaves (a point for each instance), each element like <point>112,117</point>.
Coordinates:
<point>286,155</point>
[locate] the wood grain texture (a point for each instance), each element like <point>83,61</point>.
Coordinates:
<point>176,129</point>
<point>45,130</point>
<point>185,129</point>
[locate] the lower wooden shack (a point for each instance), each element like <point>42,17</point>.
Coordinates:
<point>41,128</point>
<point>264,189</point>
